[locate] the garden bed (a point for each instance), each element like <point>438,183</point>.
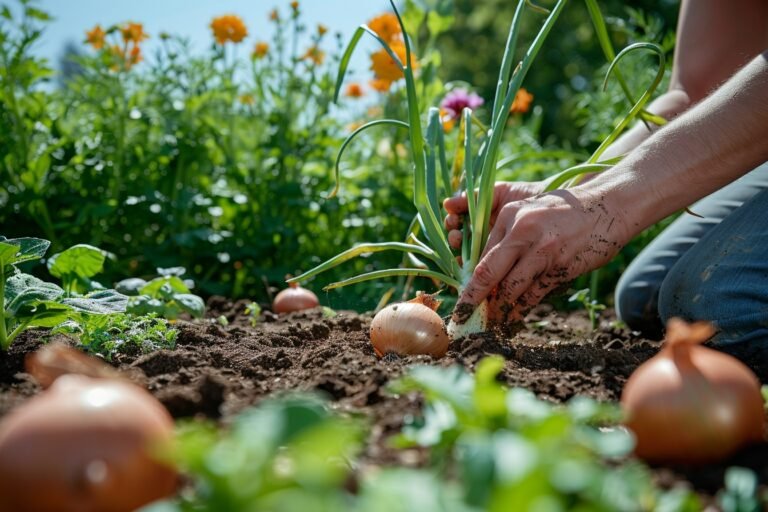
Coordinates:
<point>219,368</point>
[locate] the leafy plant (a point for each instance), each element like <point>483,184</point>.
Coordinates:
<point>592,306</point>
<point>289,454</point>
<point>741,492</point>
<point>108,335</point>
<point>470,171</point>
<point>26,301</point>
<point>253,311</point>
<point>166,296</point>
<point>76,266</point>
<point>514,451</point>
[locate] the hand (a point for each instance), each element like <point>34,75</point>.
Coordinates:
<point>538,244</point>
<point>503,193</point>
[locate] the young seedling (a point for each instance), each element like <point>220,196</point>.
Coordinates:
<point>475,162</point>
<point>591,305</point>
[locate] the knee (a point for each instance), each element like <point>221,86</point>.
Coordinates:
<point>686,293</point>
<point>710,292</point>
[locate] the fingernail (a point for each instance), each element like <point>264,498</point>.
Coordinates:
<point>462,312</point>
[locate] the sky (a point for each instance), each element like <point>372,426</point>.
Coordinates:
<point>191,18</point>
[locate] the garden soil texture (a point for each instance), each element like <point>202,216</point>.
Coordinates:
<point>218,370</point>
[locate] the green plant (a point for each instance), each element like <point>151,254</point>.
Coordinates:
<point>592,306</point>
<point>741,492</point>
<point>108,335</point>
<point>471,171</point>
<point>76,266</point>
<point>513,451</point>
<point>289,454</point>
<point>253,311</point>
<point>26,301</point>
<point>166,296</point>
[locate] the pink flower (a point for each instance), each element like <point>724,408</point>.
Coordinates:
<point>459,99</point>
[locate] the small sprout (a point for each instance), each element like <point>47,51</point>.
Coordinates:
<point>253,311</point>
<point>591,305</point>
<point>328,312</point>
<point>222,320</point>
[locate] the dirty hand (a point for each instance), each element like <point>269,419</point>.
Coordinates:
<point>503,193</point>
<point>538,244</point>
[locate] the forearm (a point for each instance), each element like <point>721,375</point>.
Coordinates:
<point>715,142</point>
<point>669,105</point>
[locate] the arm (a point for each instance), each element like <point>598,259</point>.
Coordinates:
<point>714,40</point>
<point>542,242</point>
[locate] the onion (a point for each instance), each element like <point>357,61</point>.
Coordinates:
<point>690,404</point>
<point>410,328</point>
<point>294,298</point>
<point>84,445</point>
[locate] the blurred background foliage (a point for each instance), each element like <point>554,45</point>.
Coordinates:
<point>220,161</point>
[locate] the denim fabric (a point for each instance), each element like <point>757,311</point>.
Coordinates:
<point>713,268</point>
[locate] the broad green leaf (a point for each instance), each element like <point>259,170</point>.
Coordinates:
<point>144,305</point>
<point>190,303</point>
<point>81,260</point>
<point>100,302</point>
<point>130,286</point>
<point>28,249</point>
<point>48,314</point>
<point>23,291</point>
<point>154,287</point>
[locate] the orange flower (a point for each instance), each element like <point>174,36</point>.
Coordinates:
<point>321,29</point>
<point>260,50</point>
<point>355,90</point>
<point>247,99</point>
<point>387,26</point>
<point>522,102</point>
<point>134,56</point>
<point>380,85</point>
<point>448,120</point>
<point>228,28</point>
<point>295,5</point>
<point>384,67</point>
<point>274,15</point>
<point>95,37</point>
<point>314,54</point>
<point>133,32</point>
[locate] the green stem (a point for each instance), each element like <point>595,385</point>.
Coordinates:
<point>4,343</point>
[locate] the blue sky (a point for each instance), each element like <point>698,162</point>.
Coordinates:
<point>191,18</point>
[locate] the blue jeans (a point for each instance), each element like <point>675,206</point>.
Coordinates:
<point>713,268</point>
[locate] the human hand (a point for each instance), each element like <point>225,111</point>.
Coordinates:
<point>538,244</point>
<point>503,193</point>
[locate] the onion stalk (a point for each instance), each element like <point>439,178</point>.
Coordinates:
<point>471,170</point>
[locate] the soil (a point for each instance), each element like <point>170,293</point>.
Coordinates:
<point>217,370</point>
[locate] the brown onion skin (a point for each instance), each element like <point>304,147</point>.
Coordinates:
<point>692,405</point>
<point>294,298</point>
<point>409,328</point>
<point>80,426</point>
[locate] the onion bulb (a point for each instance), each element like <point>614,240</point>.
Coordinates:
<point>410,328</point>
<point>84,445</point>
<point>294,298</point>
<point>690,404</point>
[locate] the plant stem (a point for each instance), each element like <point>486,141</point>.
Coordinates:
<point>3,329</point>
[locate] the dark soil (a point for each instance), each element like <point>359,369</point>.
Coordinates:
<point>217,370</point>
